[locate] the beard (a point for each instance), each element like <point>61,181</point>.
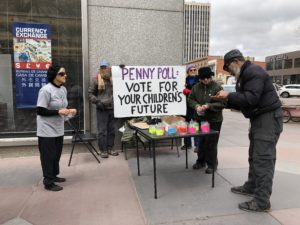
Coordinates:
<point>105,73</point>
<point>236,72</point>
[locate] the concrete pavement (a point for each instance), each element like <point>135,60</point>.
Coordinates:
<point>111,193</point>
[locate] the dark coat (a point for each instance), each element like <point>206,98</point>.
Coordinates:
<point>103,99</point>
<point>255,92</point>
<point>200,95</point>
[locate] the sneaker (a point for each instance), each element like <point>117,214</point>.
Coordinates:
<point>113,153</point>
<point>252,206</point>
<point>242,191</point>
<point>198,166</point>
<point>183,147</point>
<point>59,179</point>
<point>53,187</point>
<point>104,155</point>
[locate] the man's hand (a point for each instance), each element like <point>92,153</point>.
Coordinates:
<point>201,108</point>
<point>204,107</point>
<point>220,96</point>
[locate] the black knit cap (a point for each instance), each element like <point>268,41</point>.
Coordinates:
<point>52,72</point>
<point>205,72</point>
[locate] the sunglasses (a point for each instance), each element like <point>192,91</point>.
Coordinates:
<point>62,74</point>
<point>193,70</point>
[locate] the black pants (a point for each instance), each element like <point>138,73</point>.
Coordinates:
<point>50,152</point>
<point>263,134</point>
<point>106,129</point>
<point>208,147</point>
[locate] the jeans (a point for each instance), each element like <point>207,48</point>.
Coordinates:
<point>106,129</point>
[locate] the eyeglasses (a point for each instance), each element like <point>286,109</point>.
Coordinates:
<point>193,70</point>
<point>62,74</point>
<point>226,66</point>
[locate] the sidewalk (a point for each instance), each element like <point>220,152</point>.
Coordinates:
<point>111,193</point>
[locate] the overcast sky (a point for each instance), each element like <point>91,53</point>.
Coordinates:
<point>258,28</point>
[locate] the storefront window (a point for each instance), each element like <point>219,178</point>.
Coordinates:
<point>278,64</point>
<point>64,20</point>
<point>297,63</point>
<point>288,63</point>
<point>270,65</point>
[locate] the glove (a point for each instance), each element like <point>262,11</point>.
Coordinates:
<point>186,91</point>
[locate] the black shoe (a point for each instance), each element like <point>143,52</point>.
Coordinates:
<point>252,206</point>
<point>183,147</point>
<point>59,179</point>
<point>242,191</point>
<point>53,187</point>
<point>198,166</point>
<point>209,170</point>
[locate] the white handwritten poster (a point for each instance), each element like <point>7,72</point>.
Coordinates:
<point>148,91</point>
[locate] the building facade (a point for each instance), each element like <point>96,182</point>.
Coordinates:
<point>63,46</point>
<point>216,64</point>
<point>82,33</point>
<point>196,31</point>
<point>284,68</point>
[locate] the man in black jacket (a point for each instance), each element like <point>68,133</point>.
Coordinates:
<point>256,97</point>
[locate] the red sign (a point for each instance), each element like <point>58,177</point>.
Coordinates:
<point>32,65</point>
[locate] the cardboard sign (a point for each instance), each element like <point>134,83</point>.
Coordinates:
<point>148,91</point>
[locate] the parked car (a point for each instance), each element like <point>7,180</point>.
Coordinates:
<point>290,90</point>
<point>229,88</point>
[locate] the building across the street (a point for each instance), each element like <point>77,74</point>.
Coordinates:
<point>196,30</point>
<point>216,64</point>
<point>284,68</point>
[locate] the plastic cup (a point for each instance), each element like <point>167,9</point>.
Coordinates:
<point>192,130</point>
<point>171,130</point>
<point>152,130</point>
<point>183,129</point>
<point>205,127</point>
<point>159,132</point>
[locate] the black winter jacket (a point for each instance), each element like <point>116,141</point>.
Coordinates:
<point>200,95</point>
<point>255,93</point>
